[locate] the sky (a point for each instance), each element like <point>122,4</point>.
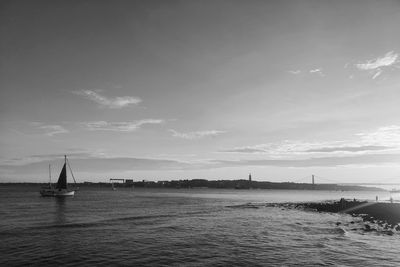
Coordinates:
<point>162,90</point>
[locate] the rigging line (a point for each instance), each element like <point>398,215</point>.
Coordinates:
<point>326,179</point>
<point>69,166</point>
<point>302,179</point>
<point>330,181</point>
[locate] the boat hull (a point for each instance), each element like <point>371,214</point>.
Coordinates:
<point>57,193</point>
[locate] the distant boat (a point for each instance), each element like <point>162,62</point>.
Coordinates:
<point>395,190</point>
<point>61,189</point>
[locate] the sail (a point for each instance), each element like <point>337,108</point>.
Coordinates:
<point>62,180</point>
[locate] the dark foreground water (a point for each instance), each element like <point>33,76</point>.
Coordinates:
<point>100,227</point>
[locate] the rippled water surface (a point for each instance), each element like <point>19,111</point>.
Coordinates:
<point>197,227</point>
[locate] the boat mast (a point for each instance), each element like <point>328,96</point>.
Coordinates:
<point>70,169</point>
<point>49,174</point>
<point>66,173</point>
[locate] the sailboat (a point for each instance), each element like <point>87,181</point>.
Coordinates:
<point>61,189</point>
<point>47,190</point>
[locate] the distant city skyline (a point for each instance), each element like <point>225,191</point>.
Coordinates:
<point>162,90</point>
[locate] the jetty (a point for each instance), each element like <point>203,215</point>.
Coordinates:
<point>377,212</point>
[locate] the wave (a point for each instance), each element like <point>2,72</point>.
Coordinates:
<point>150,219</point>
<point>102,222</point>
<point>246,206</point>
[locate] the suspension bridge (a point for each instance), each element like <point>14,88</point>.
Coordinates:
<point>314,179</point>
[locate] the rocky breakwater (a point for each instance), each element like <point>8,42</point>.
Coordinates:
<point>382,217</point>
<point>385,214</point>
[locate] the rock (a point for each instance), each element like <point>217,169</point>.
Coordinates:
<point>388,232</point>
<point>368,228</point>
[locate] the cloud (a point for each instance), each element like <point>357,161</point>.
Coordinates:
<point>317,71</point>
<point>44,157</point>
<point>195,135</point>
<point>375,66</point>
<point>120,126</point>
<point>287,148</point>
<point>385,61</point>
<point>249,150</point>
<point>50,130</point>
<point>368,159</point>
<point>94,164</point>
<point>296,148</point>
<point>383,139</point>
<point>385,136</point>
<point>295,72</point>
<point>349,149</point>
<point>115,103</point>
<point>379,72</point>
<point>54,129</point>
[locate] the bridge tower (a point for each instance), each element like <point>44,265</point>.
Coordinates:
<point>313,181</point>
<point>249,182</point>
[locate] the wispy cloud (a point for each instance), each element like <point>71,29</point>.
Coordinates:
<point>291,148</point>
<point>376,66</point>
<point>386,136</point>
<point>37,158</point>
<point>120,126</point>
<point>368,159</point>
<point>317,71</point>
<point>287,148</point>
<point>387,60</point>
<point>378,72</point>
<point>50,130</point>
<point>54,129</point>
<point>370,142</point>
<point>349,149</point>
<point>247,150</point>
<point>195,135</point>
<point>295,72</point>
<point>88,163</point>
<point>93,164</point>
<point>110,102</point>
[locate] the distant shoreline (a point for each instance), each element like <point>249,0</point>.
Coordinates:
<point>216,184</point>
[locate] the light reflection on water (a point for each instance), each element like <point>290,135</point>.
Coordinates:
<point>184,227</point>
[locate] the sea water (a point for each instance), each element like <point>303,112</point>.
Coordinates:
<point>184,227</point>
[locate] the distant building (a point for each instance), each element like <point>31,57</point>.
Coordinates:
<point>129,183</point>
